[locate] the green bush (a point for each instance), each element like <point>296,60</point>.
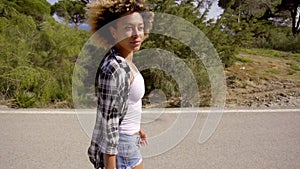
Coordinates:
<point>278,38</point>
<point>36,58</point>
<point>29,87</point>
<point>227,54</point>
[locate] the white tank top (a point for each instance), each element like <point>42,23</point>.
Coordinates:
<point>132,120</point>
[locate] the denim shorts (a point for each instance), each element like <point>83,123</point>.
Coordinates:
<point>129,155</point>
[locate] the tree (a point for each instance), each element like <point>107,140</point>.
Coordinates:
<point>195,12</point>
<point>281,12</point>
<point>72,11</point>
<point>253,9</point>
<point>293,7</point>
<point>35,8</point>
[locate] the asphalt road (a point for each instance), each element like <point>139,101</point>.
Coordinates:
<point>261,139</point>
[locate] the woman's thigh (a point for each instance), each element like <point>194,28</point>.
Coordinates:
<point>140,166</point>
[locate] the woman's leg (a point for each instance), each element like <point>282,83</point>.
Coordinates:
<point>140,166</point>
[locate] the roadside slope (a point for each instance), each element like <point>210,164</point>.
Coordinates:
<point>268,80</point>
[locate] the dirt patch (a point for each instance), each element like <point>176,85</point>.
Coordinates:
<point>261,81</point>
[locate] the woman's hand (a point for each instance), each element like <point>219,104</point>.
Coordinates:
<point>143,136</point>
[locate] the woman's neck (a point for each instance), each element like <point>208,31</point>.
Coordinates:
<point>127,55</point>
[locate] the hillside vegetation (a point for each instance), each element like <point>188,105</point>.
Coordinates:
<point>37,55</point>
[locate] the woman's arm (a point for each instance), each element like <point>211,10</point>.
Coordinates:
<point>106,134</point>
<point>110,161</point>
<point>109,108</point>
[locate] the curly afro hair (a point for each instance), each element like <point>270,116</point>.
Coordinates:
<point>103,12</point>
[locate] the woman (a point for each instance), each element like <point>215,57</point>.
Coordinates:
<point>117,134</point>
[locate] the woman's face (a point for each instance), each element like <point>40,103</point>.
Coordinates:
<point>129,32</point>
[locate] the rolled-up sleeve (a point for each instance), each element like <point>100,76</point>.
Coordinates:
<point>109,107</point>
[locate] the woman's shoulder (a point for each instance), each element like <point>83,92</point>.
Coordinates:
<point>110,66</point>
<point>114,64</point>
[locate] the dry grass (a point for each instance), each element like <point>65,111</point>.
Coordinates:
<point>259,77</point>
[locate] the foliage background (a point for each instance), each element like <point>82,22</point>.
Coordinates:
<point>37,54</point>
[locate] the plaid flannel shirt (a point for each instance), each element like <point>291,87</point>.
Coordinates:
<point>113,89</point>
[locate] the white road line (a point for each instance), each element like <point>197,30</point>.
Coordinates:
<point>37,111</point>
<point>146,111</point>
